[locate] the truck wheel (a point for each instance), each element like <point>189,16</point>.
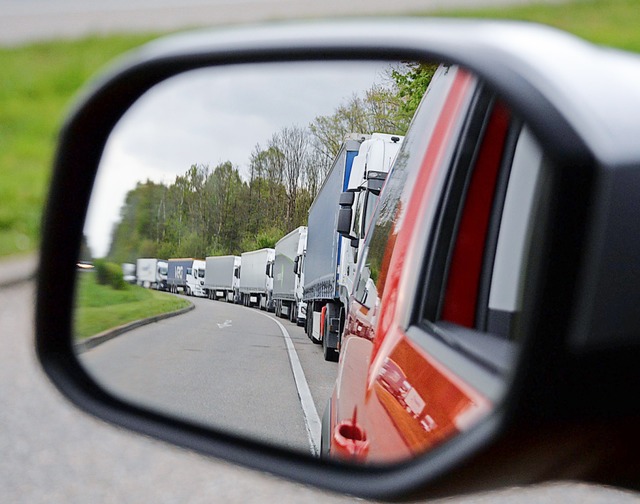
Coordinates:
<point>293,310</point>
<point>325,432</point>
<point>330,354</point>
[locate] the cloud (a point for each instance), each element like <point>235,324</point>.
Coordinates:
<point>210,116</point>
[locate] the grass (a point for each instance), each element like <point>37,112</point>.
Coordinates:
<point>37,85</point>
<point>608,22</point>
<point>38,82</point>
<point>101,307</point>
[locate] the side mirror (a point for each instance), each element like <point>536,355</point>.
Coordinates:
<point>296,263</point>
<point>441,380</point>
<point>345,216</point>
<point>345,213</point>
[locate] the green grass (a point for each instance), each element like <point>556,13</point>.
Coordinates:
<point>608,22</point>
<point>100,307</point>
<point>37,85</point>
<point>38,82</point>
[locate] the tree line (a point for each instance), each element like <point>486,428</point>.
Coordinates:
<point>214,211</point>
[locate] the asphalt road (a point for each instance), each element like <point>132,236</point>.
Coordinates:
<point>221,365</point>
<point>51,452</point>
<point>28,20</point>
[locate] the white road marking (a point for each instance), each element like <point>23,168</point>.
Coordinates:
<point>311,418</point>
<point>226,323</point>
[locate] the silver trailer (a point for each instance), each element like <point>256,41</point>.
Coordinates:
<point>288,276</point>
<point>151,273</point>
<point>222,278</point>
<point>338,220</point>
<point>256,278</point>
<point>321,287</point>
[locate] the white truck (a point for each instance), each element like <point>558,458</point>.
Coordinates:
<point>186,275</point>
<point>288,276</point>
<point>222,278</point>
<point>256,278</point>
<point>151,273</point>
<point>129,272</point>
<point>338,220</point>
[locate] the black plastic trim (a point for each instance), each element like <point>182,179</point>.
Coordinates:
<point>81,143</point>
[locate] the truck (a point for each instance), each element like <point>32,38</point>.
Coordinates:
<point>338,220</point>
<point>256,278</point>
<point>129,272</point>
<point>288,276</point>
<point>222,278</point>
<point>186,275</point>
<point>151,273</point>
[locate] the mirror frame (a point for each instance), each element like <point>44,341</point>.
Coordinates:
<point>483,456</point>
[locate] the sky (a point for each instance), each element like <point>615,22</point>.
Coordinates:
<point>210,116</point>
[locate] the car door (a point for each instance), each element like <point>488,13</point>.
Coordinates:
<point>428,341</point>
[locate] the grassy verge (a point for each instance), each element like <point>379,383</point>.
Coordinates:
<point>607,22</point>
<point>100,307</point>
<point>38,82</point>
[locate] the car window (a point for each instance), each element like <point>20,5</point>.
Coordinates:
<point>487,263</point>
<point>516,222</point>
<point>473,292</point>
<point>390,211</point>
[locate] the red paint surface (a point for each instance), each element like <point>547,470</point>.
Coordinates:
<point>466,265</point>
<point>406,401</point>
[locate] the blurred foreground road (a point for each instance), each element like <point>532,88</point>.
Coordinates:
<point>28,20</point>
<point>53,453</point>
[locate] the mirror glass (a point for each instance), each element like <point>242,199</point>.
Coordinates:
<point>212,227</point>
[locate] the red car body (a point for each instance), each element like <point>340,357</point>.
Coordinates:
<point>394,398</point>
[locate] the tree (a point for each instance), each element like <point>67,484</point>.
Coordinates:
<point>411,81</point>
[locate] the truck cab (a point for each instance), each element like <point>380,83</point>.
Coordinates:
<point>359,201</point>
<point>195,279</point>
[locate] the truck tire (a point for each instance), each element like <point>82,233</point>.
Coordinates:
<point>325,432</point>
<point>330,354</point>
<point>293,312</point>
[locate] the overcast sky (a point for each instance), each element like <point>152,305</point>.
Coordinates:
<point>210,116</point>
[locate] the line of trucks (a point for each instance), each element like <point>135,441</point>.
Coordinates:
<point>309,275</point>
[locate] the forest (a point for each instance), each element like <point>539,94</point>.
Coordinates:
<point>212,210</point>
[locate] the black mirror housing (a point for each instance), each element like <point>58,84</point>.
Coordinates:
<point>345,215</point>
<point>576,281</point>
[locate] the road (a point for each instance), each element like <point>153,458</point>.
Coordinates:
<point>28,20</point>
<point>222,365</point>
<point>52,453</point>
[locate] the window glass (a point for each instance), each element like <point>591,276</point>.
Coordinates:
<point>393,199</point>
<point>357,208</point>
<point>507,281</point>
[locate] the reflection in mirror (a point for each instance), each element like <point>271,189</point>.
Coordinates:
<point>213,285</point>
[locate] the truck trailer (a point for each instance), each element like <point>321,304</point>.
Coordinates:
<point>222,278</point>
<point>338,220</point>
<point>256,278</point>
<point>288,276</point>
<point>151,273</point>
<point>186,276</point>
